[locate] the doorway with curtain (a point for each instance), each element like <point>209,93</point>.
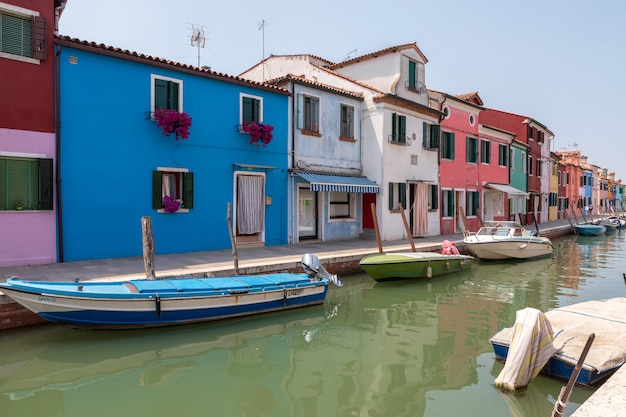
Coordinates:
<point>418,212</point>
<point>249,209</point>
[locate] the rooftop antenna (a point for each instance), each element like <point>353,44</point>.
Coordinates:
<point>198,39</point>
<point>262,28</point>
<point>350,53</point>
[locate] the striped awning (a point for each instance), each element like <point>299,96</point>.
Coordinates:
<point>339,183</point>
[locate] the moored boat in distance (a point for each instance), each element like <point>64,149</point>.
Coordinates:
<point>410,265</point>
<point>153,303</point>
<point>499,240</point>
<point>589,229</point>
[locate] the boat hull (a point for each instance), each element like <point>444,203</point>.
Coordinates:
<point>590,229</point>
<point>413,265</point>
<point>560,367</point>
<point>510,249</point>
<point>153,303</point>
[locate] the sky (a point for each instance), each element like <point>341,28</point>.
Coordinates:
<point>560,62</point>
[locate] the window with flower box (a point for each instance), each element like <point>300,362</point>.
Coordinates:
<point>176,183</point>
<point>251,109</point>
<point>166,93</point>
<point>26,183</point>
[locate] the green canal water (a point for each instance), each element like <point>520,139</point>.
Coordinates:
<point>372,350</point>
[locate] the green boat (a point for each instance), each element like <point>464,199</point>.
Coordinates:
<point>408,265</point>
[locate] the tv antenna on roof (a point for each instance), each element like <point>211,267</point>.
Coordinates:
<point>350,53</point>
<point>262,28</point>
<point>198,39</point>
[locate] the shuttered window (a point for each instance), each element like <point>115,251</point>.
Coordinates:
<point>176,184</point>
<point>250,109</point>
<point>166,94</point>
<point>25,184</point>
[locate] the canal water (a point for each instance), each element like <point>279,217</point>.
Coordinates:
<point>388,349</point>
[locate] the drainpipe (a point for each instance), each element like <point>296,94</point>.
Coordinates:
<point>57,130</point>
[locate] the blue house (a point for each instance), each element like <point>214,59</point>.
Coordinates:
<point>117,165</point>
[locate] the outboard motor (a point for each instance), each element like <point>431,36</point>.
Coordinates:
<point>314,269</point>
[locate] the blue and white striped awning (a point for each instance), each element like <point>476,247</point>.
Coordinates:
<point>339,183</point>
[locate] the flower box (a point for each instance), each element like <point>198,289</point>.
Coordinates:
<point>173,122</point>
<point>259,133</point>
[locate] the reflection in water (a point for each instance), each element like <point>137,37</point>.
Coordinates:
<point>399,348</point>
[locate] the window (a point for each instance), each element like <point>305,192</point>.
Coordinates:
<point>398,128</point>
<point>447,203</point>
<point>485,151</point>
<point>530,165</point>
<point>346,129</point>
<point>430,135</point>
<point>447,145</point>
<point>167,93</point>
<point>412,75</point>
<point>341,205</point>
<point>502,155</point>
<point>553,199</point>
<point>25,183</point>
<point>251,109</point>
<point>173,182</point>
<point>308,113</point>
<point>397,194</point>
<point>433,197</point>
<point>539,167</point>
<point>472,150</point>
<point>22,34</point>
<point>471,203</point>
<point>524,162</point>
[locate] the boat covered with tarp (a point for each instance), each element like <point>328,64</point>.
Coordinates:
<point>552,342</point>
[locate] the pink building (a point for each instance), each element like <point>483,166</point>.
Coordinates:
<point>27,132</point>
<point>473,164</point>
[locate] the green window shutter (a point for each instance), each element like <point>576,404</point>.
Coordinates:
<point>188,190</point>
<point>452,142</point>
<point>157,190</point>
<point>4,204</point>
<point>412,72</point>
<point>15,35</point>
<point>435,132</point>
<point>435,194</point>
<point>424,135</point>
<point>160,94</point>
<point>391,196</point>
<point>394,127</point>
<point>173,95</point>
<point>402,191</point>
<point>45,185</point>
<point>476,202</point>
<point>402,129</point>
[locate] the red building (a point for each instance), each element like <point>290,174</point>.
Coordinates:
<point>27,131</point>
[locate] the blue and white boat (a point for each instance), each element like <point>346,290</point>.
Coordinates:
<point>589,229</point>
<point>152,303</point>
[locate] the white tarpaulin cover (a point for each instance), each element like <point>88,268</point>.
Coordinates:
<point>572,326</point>
<point>530,349</point>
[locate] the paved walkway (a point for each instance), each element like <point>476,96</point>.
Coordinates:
<point>220,262</point>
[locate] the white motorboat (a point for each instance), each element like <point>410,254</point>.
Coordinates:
<point>500,240</point>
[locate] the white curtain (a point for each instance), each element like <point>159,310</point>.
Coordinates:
<point>420,210</point>
<point>250,202</point>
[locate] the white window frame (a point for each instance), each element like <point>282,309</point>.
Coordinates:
<point>179,185</point>
<point>332,198</point>
<point>153,78</point>
<point>258,98</point>
<point>25,13</point>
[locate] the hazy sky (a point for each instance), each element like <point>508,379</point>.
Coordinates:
<point>561,62</point>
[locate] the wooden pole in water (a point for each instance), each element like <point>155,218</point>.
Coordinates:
<point>380,245</point>
<point>561,402</point>
<point>406,227</point>
<point>148,246</point>
<point>232,239</point>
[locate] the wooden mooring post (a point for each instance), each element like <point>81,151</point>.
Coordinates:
<point>148,246</point>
